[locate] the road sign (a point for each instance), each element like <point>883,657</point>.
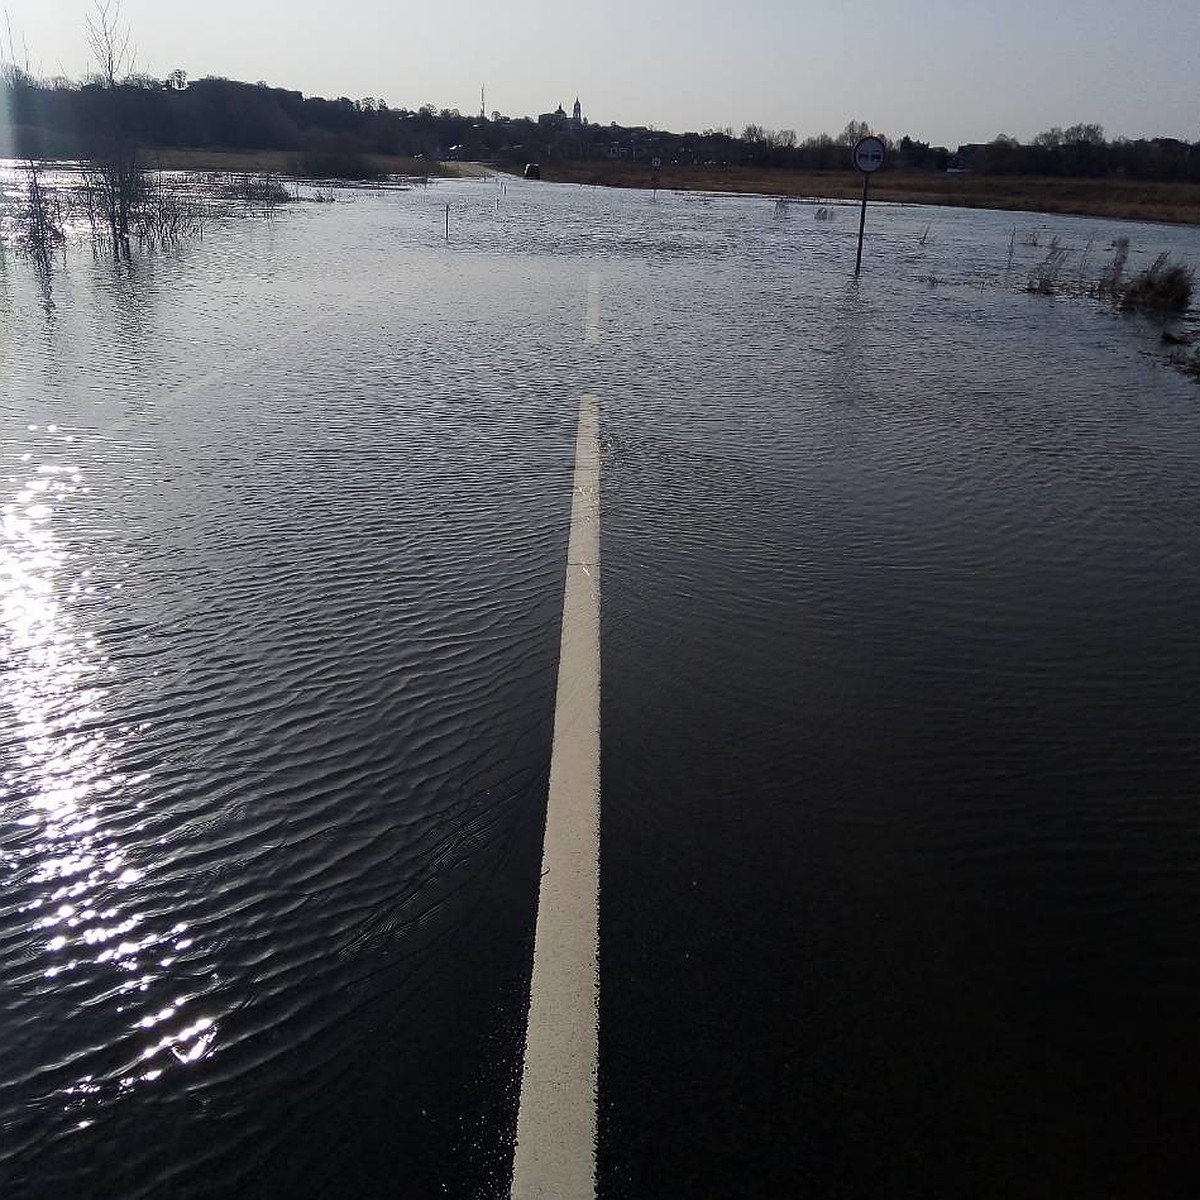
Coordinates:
<point>869,154</point>
<point>656,163</point>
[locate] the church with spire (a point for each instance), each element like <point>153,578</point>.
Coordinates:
<point>558,119</point>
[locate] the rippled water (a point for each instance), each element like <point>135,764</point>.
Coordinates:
<point>900,681</point>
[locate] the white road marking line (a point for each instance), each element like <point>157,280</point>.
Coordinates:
<point>555,1156</point>
<point>592,326</point>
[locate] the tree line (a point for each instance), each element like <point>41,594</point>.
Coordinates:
<point>1083,151</point>
<point>62,118</point>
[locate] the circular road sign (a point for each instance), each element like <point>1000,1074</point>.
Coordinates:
<point>869,153</point>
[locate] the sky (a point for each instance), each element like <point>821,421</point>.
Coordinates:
<point>946,71</point>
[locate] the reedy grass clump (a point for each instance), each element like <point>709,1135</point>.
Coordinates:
<point>1112,277</point>
<point>1043,279</point>
<point>260,191</point>
<point>1163,287</point>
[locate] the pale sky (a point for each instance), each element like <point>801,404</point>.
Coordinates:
<point>948,71</point>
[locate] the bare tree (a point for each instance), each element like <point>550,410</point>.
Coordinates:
<point>1084,134</point>
<point>1049,139</point>
<point>116,178</point>
<point>109,43</point>
<point>855,131</point>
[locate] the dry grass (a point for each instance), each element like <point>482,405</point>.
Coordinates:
<point>1163,287</point>
<point>278,162</point>
<point>1177,203</point>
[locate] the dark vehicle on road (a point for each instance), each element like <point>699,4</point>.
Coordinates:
<point>533,171</point>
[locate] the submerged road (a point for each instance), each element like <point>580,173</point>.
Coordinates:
<point>755,1014</point>
<point>313,885</point>
<point>555,1154</point>
<point>556,1126</point>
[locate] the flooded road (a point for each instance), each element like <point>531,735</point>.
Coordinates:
<point>900,872</point>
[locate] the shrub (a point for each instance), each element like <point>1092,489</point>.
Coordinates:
<point>1163,287</point>
<point>261,190</point>
<point>41,218</point>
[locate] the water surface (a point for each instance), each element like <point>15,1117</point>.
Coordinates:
<point>899,877</point>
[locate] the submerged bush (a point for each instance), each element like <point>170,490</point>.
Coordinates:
<point>1163,287</point>
<point>41,217</point>
<point>262,190</point>
<point>167,212</point>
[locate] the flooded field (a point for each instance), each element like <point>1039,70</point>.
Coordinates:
<point>900,863</point>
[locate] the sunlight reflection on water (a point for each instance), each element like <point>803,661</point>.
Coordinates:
<point>81,887</point>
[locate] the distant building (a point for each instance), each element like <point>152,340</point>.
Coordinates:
<point>558,119</point>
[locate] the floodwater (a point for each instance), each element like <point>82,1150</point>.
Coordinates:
<point>900,846</point>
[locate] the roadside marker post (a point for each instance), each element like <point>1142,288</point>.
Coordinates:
<point>869,155</point>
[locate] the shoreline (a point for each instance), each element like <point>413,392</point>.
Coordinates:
<point>278,162</point>
<point>1118,199</point>
<point>1115,199</point>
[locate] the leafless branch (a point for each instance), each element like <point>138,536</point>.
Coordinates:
<point>109,43</point>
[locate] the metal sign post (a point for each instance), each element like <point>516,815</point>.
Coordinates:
<point>869,155</point>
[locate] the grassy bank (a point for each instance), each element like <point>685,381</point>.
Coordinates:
<point>1178,203</point>
<point>281,162</point>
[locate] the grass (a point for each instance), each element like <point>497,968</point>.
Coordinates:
<point>262,190</point>
<point>280,162</point>
<point>1163,287</point>
<point>1043,279</point>
<point>1177,203</point>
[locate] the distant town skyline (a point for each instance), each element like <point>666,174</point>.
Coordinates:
<point>946,73</point>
